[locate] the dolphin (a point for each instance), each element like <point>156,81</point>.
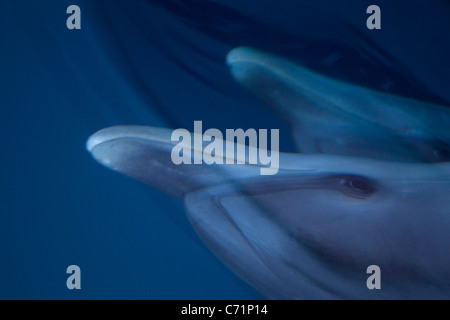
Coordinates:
<point>333,117</point>
<point>369,188</point>
<point>311,231</point>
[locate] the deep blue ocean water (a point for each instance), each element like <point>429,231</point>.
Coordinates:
<point>162,63</point>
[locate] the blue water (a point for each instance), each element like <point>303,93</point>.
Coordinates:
<point>162,63</point>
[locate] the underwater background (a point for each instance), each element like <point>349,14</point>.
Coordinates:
<point>162,63</point>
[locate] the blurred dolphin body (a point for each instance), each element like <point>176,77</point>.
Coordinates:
<point>371,188</point>
<point>333,117</point>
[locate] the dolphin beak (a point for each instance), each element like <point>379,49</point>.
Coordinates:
<point>144,154</point>
<point>119,132</point>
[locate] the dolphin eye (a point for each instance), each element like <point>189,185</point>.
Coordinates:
<point>441,155</point>
<point>357,186</point>
<point>360,185</point>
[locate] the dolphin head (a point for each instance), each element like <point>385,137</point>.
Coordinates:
<point>312,230</point>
